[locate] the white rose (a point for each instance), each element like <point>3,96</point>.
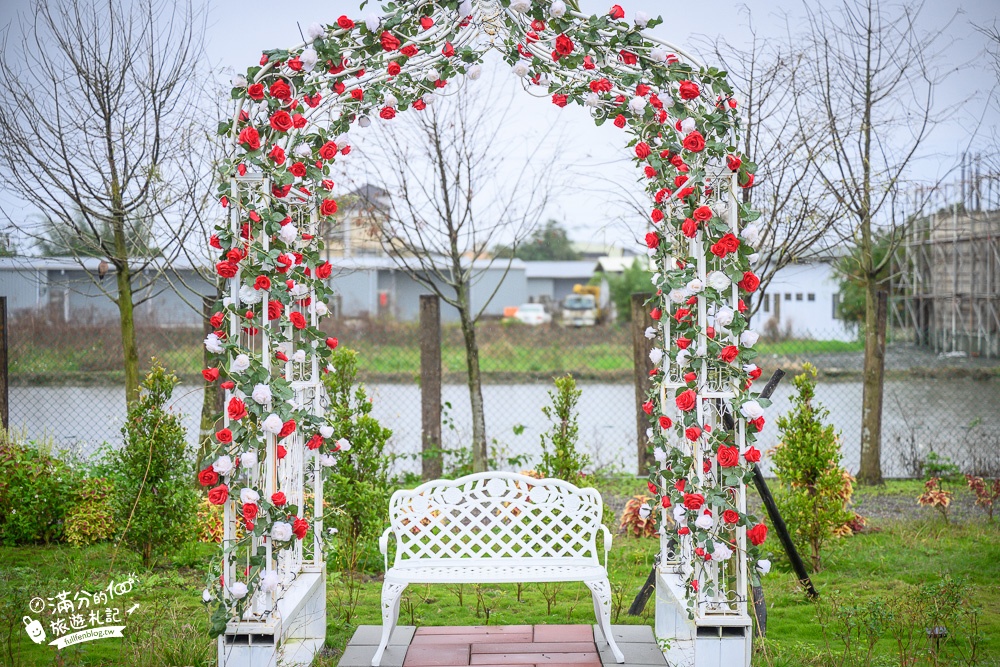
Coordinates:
<point>656,278</point>
<point>645,510</point>
<point>206,595</point>
<point>680,514</point>
<point>390,100</point>
<point>637,105</point>
<point>429,98</point>
<point>521,5</point>
<point>704,522</point>
<point>249,295</point>
<point>721,551</point>
<point>269,581</point>
<point>372,22</point>
<point>641,19</point>
<point>718,281</point>
<point>289,233</point>
<point>659,55</point>
<point>474,72</point>
<point>327,460</point>
<point>344,444</point>
<point>687,126</point>
<point>223,465</point>
<point>314,31</point>
<point>319,308</point>
<point>309,58</point>
<point>558,9</point>
<point>592,100</point>
<point>724,316</point>
<point>299,357</point>
<point>326,431</point>
<point>240,364</point>
<point>465,9</point>
<point>696,286</point>
<point>751,410</point>
<point>753,257</point>
<point>751,234</point>
<point>682,358</point>
<point>650,333</point>
<point>432,75</point>
<point>248,459</point>
<point>227,301</point>
<point>298,290</point>
<point>248,495</point>
<point>678,295</point>
<point>302,150</point>
<point>238,590</point>
<point>520,68</point>
<point>749,338</point>
<point>749,368</point>
<point>272,424</point>
<point>656,355</point>
<point>261,394</point>
<point>239,81</point>
<point>213,344</point>
<point>660,455</point>
<point>281,531</point>
<point>763,566</point>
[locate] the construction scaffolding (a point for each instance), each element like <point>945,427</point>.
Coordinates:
<point>946,275</point>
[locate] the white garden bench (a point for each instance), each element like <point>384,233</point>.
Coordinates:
<point>499,528</point>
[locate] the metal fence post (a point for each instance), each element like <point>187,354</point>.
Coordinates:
<point>642,365</point>
<point>4,405</point>
<point>430,385</point>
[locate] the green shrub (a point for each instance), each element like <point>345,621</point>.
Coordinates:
<point>814,489</point>
<point>560,458</point>
<point>90,517</point>
<point>360,477</point>
<point>153,501</point>
<point>36,490</point>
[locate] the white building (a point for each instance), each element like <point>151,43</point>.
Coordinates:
<point>801,302</point>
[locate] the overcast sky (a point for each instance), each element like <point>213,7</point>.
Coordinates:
<point>240,29</point>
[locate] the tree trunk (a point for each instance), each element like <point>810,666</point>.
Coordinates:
<point>873,378</point>
<point>480,454</point>
<point>130,349</point>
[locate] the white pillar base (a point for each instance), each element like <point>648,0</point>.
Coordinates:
<point>291,637</point>
<point>712,642</point>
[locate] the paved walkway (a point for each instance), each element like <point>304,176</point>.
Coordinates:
<point>496,646</point>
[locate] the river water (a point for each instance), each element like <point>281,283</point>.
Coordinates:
<point>957,417</point>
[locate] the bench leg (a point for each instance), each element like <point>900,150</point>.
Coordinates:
<point>391,593</point>
<point>601,592</point>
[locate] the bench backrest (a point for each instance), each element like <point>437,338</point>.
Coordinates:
<point>495,515</point>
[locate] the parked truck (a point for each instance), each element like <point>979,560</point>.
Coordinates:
<point>582,308</point>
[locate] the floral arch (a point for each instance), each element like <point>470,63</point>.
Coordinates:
<point>293,113</point>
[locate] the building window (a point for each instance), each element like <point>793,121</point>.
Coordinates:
<point>836,306</point>
<point>798,297</point>
<point>788,297</point>
<point>767,303</point>
<point>811,297</point>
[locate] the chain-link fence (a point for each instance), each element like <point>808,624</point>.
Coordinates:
<point>66,388</point>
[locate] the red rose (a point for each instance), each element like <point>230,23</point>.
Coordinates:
<point>210,374</point>
<point>328,151</point>
<point>345,23</point>
<point>448,51</point>
<point>601,85</point>
<point>750,282</point>
<point>665,422</point>
<point>389,41</point>
<point>217,319</point>
<point>733,162</point>
<point>693,501</point>
<point>729,353</point>
<point>689,228</point>
<point>298,321</point>
<point>281,452</point>
<point>299,121</point>
<point>647,407</point>
<point>746,183</point>
<point>665,502</point>
<point>256,91</point>
<point>409,50</point>
<point>300,527</point>
<point>752,455</point>
<point>277,154</point>
<point>652,487</point>
<point>730,516</point>
<point>278,498</point>
<point>616,12</point>
<point>313,100</point>
<point>689,90</point>
<point>298,169</point>
<point>332,343</point>
<point>218,495</point>
<point>620,120</point>
<point>686,400</point>
<point>287,429</point>
<point>652,240</point>
<point>225,435</point>
<point>683,342</point>
<point>228,385</point>
<point>728,456</point>
<point>393,69</point>
<point>682,314</point>
<point>730,242</point>
<point>757,534</point>
<point>237,409</point>
<point>249,511</point>
<point>656,314</point>
<point>274,310</point>
<point>656,215</point>
<point>692,433</point>
<point>628,57</point>
<point>758,423</point>
<point>559,100</point>
<point>208,477</point>
<point>419,105</point>
<point>642,150</point>
<point>315,442</point>
<point>262,283</point>
<point>226,269</point>
<point>690,377</point>
<point>249,138</point>
<point>213,241</point>
<point>702,214</point>
<point>649,171</point>
<point>679,485</point>
<point>328,207</point>
<point>280,90</point>
<point>324,270</point>
<point>694,142</point>
<point>281,121</point>
<point>642,90</point>
<point>295,64</point>
<point>387,113</point>
<point>564,45</point>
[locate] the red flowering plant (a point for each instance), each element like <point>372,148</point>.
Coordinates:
<point>294,111</point>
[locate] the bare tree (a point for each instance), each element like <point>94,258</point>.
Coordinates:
<point>98,98</point>
<point>863,94</point>
<point>448,209</point>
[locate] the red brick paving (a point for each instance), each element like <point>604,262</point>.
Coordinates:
<point>494,646</point>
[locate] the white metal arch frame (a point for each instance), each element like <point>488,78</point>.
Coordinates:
<point>293,114</point>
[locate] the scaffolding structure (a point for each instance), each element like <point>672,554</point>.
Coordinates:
<point>946,274</point>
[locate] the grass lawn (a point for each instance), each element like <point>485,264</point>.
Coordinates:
<point>168,627</point>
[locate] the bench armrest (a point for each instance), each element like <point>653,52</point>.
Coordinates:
<point>383,546</point>
<point>607,544</point>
